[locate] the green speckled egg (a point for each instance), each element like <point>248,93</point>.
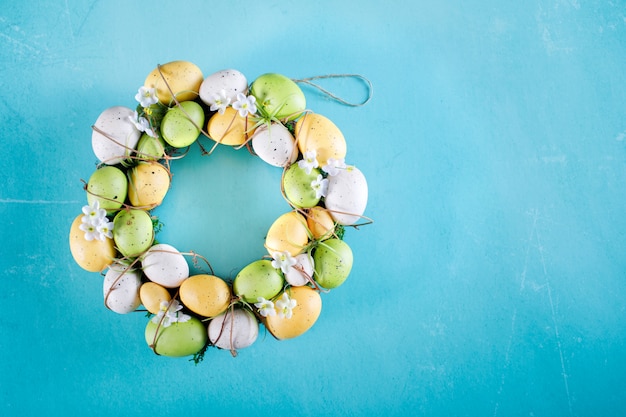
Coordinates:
<point>133,232</point>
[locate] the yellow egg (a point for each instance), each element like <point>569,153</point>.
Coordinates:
<point>206,295</point>
<point>91,255</point>
<point>184,79</point>
<point>288,233</point>
<point>304,314</point>
<point>229,128</point>
<point>152,294</point>
<point>148,184</point>
<point>315,132</point>
<point>320,222</point>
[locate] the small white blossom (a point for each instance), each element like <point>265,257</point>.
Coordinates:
<point>266,307</point>
<point>91,232</point>
<point>285,306</point>
<point>219,102</point>
<point>169,312</point>
<point>105,229</point>
<point>142,124</point>
<point>146,96</point>
<point>333,166</point>
<point>95,224</point>
<point>245,105</point>
<point>93,213</point>
<point>283,261</point>
<point>309,161</point>
<point>320,185</point>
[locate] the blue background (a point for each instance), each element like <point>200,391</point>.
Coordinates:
<point>492,282</point>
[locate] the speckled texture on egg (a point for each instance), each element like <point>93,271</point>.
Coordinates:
<point>119,135</point>
<point>230,81</point>
<point>165,265</point>
<point>239,326</point>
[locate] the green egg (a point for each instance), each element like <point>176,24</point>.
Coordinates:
<point>178,339</point>
<point>149,148</point>
<point>133,232</point>
<point>181,125</point>
<point>298,188</point>
<point>258,279</point>
<point>278,96</point>
<point>333,263</point>
<point>107,185</point>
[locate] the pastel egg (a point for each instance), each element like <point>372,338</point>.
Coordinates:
<point>333,263</point>
<point>258,279</point>
<point>152,294</point>
<point>121,289</point>
<point>228,128</point>
<point>91,255</point>
<point>150,148</point>
<point>178,339</point>
<point>288,233</point>
<point>320,222</point>
<point>109,187</point>
<point>298,186</point>
<point>304,314</point>
<point>183,78</point>
<point>274,145</point>
<point>347,195</point>
<point>165,265</point>
<point>133,232</point>
<point>181,124</point>
<point>234,329</point>
<point>315,132</point>
<point>114,136</point>
<point>148,184</point>
<point>206,295</point>
<point>230,81</point>
<point>299,274</point>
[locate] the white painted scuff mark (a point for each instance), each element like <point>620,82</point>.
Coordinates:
<point>621,136</point>
<point>43,202</point>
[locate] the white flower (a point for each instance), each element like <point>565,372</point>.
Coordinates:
<point>169,312</point>
<point>146,96</point>
<point>320,185</point>
<point>309,161</point>
<point>283,261</point>
<point>333,166</point>
<point>245,105</point>
<point>91,232</point>
<point>142,124</point>
<point>266,307</point>
<point>94,223</point>
<point>105,229</point>
<point>93,214</point>
<point>285,306</point>
<point>219,102</point>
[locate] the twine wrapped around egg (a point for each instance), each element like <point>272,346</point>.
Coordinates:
<point>282,289</point>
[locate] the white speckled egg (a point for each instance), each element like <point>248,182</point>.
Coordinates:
<point>117,126</point>
<point>164,265</point>
<point>239,326</point>
<point>297,274</point>
<point>229,80</point>
<point>347,196</point>
<point>274,145</point>
<point>121,289</point>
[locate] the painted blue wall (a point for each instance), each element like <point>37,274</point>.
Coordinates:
<point>492,282</point>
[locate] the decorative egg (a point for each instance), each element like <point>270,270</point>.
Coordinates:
<point>178,339</point>
<point>304,314</point>
<point>91,255</point>
<point>234,329</point>
<point>230,81</point>
<point>333,263</point>
<point>121,289</point>
<point>206,295</point>
<point>181,125</point>
<point>278,96</point>
<point>288,233</point>
<point>165,265</point>
<point>109,186</point>
<point>315,132</point>
<point>133,232</point>
<point>149,182</point>
<point>228,128</point>
<point>258,279</point>
<point>347,194</point>
<point>299,188</point>
<point>274,145</point>
<point>299,274</point>
<point>320,222</point>
<point>152,294</point>
<point>150,148</point>
<point>183,78</point>
<point>119,135</point>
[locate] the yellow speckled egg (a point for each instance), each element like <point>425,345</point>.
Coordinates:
<point>148,183</point>
<point>91,255</point>
<point>206,295</point>
<point>318,133</point>
<point>320,222</point>
<point>288,233</point>
<point>304,314</point>
<point>152,294</point>
<point>184,79</point>
<point>228,128</point>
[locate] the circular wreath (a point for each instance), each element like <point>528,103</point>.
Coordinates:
<point>306,253</point>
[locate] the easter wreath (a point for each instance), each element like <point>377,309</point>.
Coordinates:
<point>306,253</point>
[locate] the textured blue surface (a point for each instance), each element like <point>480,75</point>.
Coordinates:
<point>492,282</point>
